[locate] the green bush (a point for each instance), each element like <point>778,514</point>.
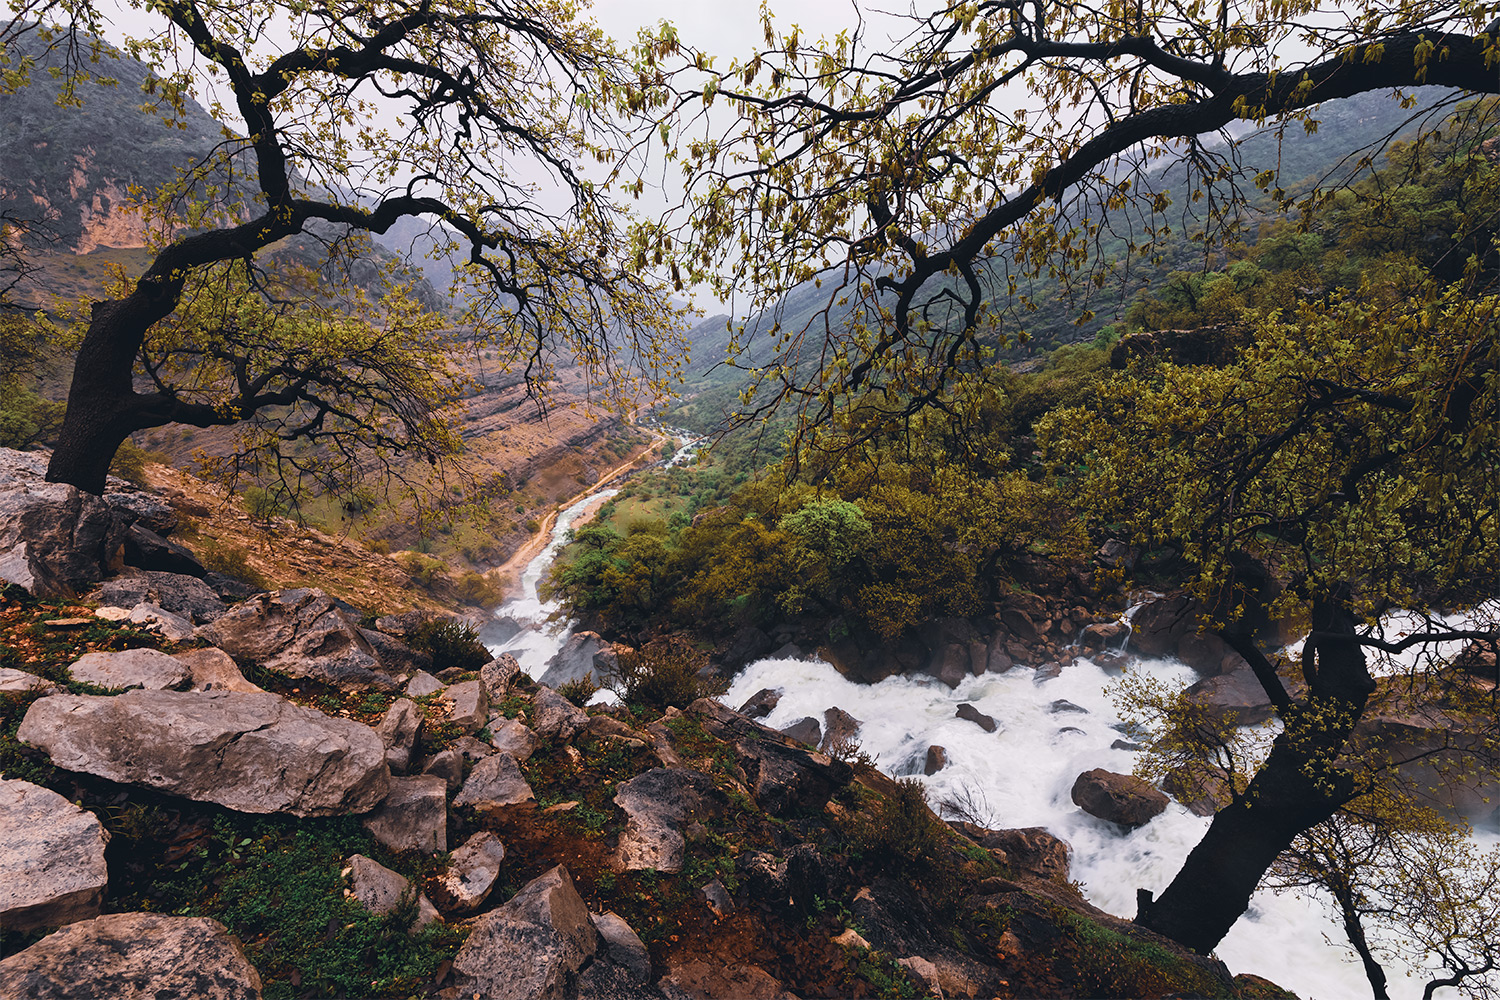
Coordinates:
<point>580,691</point>
<point>450,643</point>
<point>904,826</point>
<point>231,560</point>
<point>664,672</point>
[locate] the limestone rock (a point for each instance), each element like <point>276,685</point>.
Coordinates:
<point>805,730</point>
<point>395,656</point>
<point>468,707</point>
<point>498,674</point>
<point>214,670</point>
<point>380,890</point>
<point>398,730</point>
<point>574,660</point>
<point>181,594</point>
<point>698,980</point>
<point>1118,798</point>
<point>300,633</point>
<point>471,873</point>
<point>624,945</point>
<point>495,782</point>
<point>128,668</point>
<point>133,956</point>
<point>762,703</point>
<point>55,540</point>
<point>971,714</point>
<point>19,681</point>
<point>137,507</point>
<point>838,727</point>
<point>256,753</point>
<point>52,868</point>
<point>657,804</point>
<point>174,627</point>
<point>449,765</point>
<point>531,948</point>
<point>556,717</point>
<point>422,684</point>
<point>146,549</point>
<point>512,737</point>
<point>413,816</point>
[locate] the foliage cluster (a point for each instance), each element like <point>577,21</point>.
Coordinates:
<point>451,642</point>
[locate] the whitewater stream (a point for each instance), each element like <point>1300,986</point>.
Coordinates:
<point>1022,775</point>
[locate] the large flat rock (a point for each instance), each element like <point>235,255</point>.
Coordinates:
<point>52,868</point>
<point>133,956</point>
<point>252,752</point>
<point>55,540</point>
<point>126,668</point>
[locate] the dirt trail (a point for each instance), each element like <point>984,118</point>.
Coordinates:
<point>508,574</point>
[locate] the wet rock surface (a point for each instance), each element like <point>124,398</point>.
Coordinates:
<point>1119,798</point>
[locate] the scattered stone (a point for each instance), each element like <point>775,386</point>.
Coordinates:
<point>213,669</point>
<point>607,727</point>
<point>697,980</point>
<point>510,736</point>
<point>924,972</point>
<point>556,717</point>
<point>468,708</point>
<point>656,805</point>
<point>997,660</point>
<point>762,703</point>
<point>170,626</point>
<point>1126,745</point>
<point>1071,731</point>
<point>851,939</point>
<point>55,540</point>
<point>495,782</point>
<point>300,633</point>
<point>398,730</point>
<point>717,898</point>
<point>133,956</point>
<point>1051,670</point>
<point>471,874</point>
<point>805,730</point>
<point>130,668</point>
<point>422,684</point>
<point>532,947</point>
<point>937,759</point>
<point>451,675</point>
<point>471,749</point>
<point>839,727</point>
<point>380,890</point>
<point>146,549</point>
<point>1118,798</point>
<point>413,816</point>
<point>449,765</point>
<point>498,674</point>
<point>1062,706</point>
<point>969,713</point>
<point>19,681</point>
<point>67,622</point>
<point>624,946</point>
<point>113,614</point>
<point>252,752</point>
<point>52,867</point>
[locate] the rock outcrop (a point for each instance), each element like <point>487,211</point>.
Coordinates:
<point>52,869</point>
<point>413,816</point>
<point>300,633</point>
<point>130,668</point>
<point>256,753</point>
<point>494,783</point>
<point>531,948</point>
<point>133,956</point>
<point>656,805</point>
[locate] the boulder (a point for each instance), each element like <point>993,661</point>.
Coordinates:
<point>495,782</point>
<point>510,736</point>
<point>1103,635</point>
<point>398,730</point>
<point>471,874</point>
<point>656,805</point>
<point>129,668</point>
<point>145,549</point>
<point>55,540</point>
<point>449,765</point>
<point>1238,693</point>
<point>380,890</point>
<point>937,759</point>
<point>19,681</point>
<point>531,948</point>
<point>468,708</point>
<point>182,595</point>
<point>133,956</point>
<point>136,507</point>
<point>839,728</point>
<point>762,703</point>
<point>1064,707</point>
<point>395,656</point>
<point>255,753</point>
<point>300,633</point>
<point>969,713</point>
<point>1118,798</point>
<point>1203,789</point>
<point>624,946</point>
<point>497,675</point>
<point>1159,625</point>
<point>997,660</point>
<point>213,669</point>
<point>162,621</point>
<point>413,816</point>
<point>805,730</point>
<point>52,868</point>
<point>574,660</point>
<point>422,684</point>
<point>555,717</point>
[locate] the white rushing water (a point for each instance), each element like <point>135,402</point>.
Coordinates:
<point>1022,775</point>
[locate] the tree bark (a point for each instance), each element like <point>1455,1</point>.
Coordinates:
<point>1298,786</point>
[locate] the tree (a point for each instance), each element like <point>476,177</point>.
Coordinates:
<point>1351,452</point>
<point>338,121</point>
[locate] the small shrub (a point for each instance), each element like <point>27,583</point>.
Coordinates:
<point>130,462</point>
<point>450,643</point>
<point>904,826</point>
<point>424,569</point>
<point>664,672</point>
<point>581,690</point>
<point>231,560</point>
<point>379,546</point>
<point>479,590</point>
<point>262,504</point>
